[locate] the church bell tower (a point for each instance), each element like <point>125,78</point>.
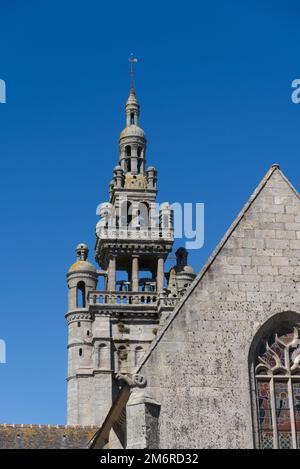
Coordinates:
<point>112,327</point>
<point>131,237</point>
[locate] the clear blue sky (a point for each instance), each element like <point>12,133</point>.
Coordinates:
<point>214,83</point>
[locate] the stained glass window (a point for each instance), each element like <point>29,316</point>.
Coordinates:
<point>265,413</point>
<point>278,390</point>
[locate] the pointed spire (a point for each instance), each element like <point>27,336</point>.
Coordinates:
<point>132,99</point>
<point>132,141</point>
<point>132,109</point>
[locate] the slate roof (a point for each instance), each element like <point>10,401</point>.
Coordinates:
<point>45,436</point>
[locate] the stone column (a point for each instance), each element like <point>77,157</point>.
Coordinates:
<point>135,274</point>
<point>134,159</point>
<point>160,275</point>
<point>111,280</point>
<point>142,168</point>
<point>122,159</point>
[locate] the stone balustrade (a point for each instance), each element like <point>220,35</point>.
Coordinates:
<point>122,298</point>
<point>168,301</point>
<point>134,233</point>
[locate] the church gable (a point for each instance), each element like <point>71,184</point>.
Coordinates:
<point>259,261</point>
<point>198,369</point>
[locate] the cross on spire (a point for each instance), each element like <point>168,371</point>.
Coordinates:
<point>132,60</point>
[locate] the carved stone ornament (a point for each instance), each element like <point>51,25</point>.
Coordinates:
<point>133,381</point>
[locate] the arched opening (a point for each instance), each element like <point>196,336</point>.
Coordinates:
<point>102,356</point>
<point>129,213</point>
<point>132,118</point>
<point>143,215</point>
<point>128,158</point>
<point>122,357</point>
<point>138,353</point>
<point>81,300</point>
<point>139,165</point>
<point>128,164</point>
<point>80,352</point>
<point>125,214</point>
<point>275,382</point>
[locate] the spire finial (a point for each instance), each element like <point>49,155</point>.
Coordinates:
<point>132,60</point>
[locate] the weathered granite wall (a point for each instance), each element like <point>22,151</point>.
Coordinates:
<point>198,369</point>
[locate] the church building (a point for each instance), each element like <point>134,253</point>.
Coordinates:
<point>171,359</point>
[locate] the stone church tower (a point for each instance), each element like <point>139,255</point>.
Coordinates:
<point>110,330</point>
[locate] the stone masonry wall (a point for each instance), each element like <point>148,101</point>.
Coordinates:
<point>198,369</point>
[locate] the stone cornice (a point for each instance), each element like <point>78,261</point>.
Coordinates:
<point>110,310</point>
<point>88,375</point>
<point>79,315</point>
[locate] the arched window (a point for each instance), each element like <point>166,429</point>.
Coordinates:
<point>81,295</point>
<point>102,356</point>
<point>127,158</point>
<point>144,211</point>
<point>277,382</point>
<point>125,212</point>
<point>138,355</point>
<point>139,165</point>
<point>122,353</point>
<point>128,165</point>
<point>129,213</point>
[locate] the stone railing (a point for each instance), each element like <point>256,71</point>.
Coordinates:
<point>168,301</point>
<point>122,298</point>
<point>134,233</point>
